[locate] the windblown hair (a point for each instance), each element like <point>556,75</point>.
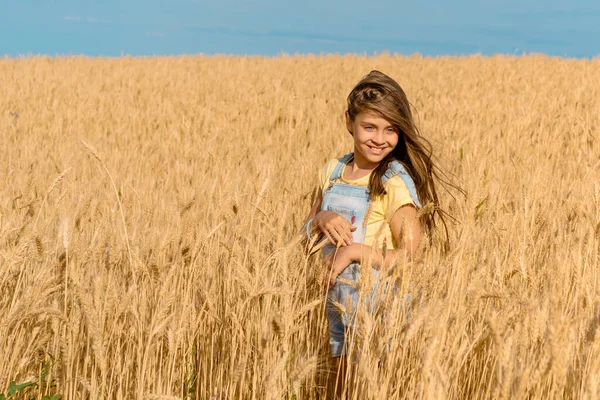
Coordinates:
<point>380,94</point>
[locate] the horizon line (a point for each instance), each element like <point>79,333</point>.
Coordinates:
<point>283,54</point>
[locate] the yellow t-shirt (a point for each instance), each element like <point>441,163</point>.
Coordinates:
<point>382,208</point>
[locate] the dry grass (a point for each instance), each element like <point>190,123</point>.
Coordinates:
<point>163,264</point>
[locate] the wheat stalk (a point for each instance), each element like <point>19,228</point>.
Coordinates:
<point>114,186</point>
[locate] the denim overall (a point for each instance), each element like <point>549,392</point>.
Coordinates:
<point>352,202</point>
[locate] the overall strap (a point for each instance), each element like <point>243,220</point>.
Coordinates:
<point>339,168</point>
<point>396,168</point>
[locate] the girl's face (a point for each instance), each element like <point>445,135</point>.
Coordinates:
<point>374,138</point>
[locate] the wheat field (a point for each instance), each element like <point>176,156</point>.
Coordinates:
<point>150,210</point>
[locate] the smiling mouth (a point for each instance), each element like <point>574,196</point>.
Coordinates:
<point>376,150</point>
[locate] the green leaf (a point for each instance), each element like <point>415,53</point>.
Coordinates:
<point>54,397</point>
<point>45,372</point>
<point>22,386</point>
<point>2,397</point>
<point>13,388</point>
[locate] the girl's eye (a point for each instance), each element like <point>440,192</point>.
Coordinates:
<point>369,128</point>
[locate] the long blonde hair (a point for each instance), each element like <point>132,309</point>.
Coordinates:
<point>380,94</point>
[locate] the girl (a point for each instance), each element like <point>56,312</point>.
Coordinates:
<point>372,196</point>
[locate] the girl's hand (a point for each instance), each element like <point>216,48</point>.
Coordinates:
<point>339,261</point>
<point>335,227</point>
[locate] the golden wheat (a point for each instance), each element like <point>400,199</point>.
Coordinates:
<point>162,258</point>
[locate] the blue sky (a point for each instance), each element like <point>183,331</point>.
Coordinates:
<point>269,27</point>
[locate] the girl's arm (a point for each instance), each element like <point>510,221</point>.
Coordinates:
<point>405,227</point>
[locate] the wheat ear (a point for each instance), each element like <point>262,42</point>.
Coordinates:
<point>112,181</point>
<point>50,189</point>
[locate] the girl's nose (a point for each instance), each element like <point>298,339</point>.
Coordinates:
<point>379,137</point>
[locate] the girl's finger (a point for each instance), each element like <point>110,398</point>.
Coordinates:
<point>349,227</point>
<point>337,237</point>
<point>346,233</point>
<point>342,236</point>
<point>329,237</point>
<point>343,222</point>
<point>347,239</point>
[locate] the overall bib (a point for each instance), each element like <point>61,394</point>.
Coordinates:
<point>352,202</point>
